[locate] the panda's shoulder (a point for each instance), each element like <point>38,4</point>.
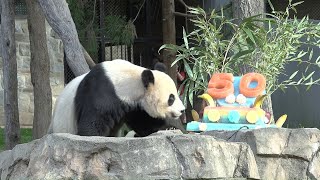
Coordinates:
<point>118,64</point>
<point>121,69</point>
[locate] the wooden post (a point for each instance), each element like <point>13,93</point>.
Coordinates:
<point>40,70</point>
<point>10,82</point>
<point>169,36</point>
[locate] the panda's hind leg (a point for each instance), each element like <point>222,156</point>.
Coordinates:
<point>91,124</point>
<point>96,124</point>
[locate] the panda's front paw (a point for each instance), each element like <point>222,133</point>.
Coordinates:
<point>167,132</point>
<point>171,128</point>
<point>131,134</point>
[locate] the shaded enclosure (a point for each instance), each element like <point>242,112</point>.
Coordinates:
<point>147,23</point>
<point>301,107</point>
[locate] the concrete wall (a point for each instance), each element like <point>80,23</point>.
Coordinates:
<point>25,89</point>
<point>301,107</point>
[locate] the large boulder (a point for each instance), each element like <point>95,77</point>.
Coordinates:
<point>280,153</point>
<point>66,156</point>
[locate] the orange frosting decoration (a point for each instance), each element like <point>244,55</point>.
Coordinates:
<point>221,85</point>
<point>247,79</point>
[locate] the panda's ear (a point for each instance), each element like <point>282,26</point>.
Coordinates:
<point>147,78</point>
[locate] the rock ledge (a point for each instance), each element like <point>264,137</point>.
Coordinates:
<point>61,156</point>
<point>281,153</point>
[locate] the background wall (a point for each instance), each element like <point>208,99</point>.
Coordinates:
<point>301,106</point>
<point>25,88</point>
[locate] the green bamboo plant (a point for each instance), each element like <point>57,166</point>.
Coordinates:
<point>265,43</point>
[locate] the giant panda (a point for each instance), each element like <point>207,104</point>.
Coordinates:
<point>115,92</point>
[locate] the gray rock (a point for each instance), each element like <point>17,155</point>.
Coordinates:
<point>22,37</point>
<point>66,156</point>
<point>53,34</point>
<point>24,49</point>
<point>167,133</point>
<point>21,81</point>
<point>23,63</point>
<point>280,153</point>
<point>21,26</point>
<point>24,102</point>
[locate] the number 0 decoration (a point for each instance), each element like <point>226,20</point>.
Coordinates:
<point>221,85</point>
<point>249,78</point>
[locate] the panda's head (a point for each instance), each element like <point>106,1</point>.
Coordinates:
<point>161,99</point>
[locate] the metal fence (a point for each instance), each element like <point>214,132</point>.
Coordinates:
<point>118,52</point>
<point>105,49</point>
<point>20,7</point>
<point>309,7</point>
<point>147,23</point>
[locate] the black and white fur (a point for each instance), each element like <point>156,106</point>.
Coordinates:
<point>117,92</point>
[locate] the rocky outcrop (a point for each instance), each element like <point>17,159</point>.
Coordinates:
<point>246,154</point>
<point>280,153</point>
<point>62,156</point>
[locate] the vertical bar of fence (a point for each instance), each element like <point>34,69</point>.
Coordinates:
<point>129,54</point>
<point>102,29</point>
<point>111,50</point>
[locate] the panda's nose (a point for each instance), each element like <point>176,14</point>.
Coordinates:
<point>182,111</point>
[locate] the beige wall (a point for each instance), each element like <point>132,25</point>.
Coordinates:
<point>25,89</point>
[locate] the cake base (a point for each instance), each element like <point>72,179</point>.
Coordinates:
<point>196,126</point>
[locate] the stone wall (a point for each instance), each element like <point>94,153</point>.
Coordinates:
<point>25,89</point>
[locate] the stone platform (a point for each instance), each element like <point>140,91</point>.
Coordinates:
<point>245,154</point>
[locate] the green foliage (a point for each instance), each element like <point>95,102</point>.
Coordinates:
<point>83,14</point>
<point>119,31</point>
<point>2,143</point>
<point>203,51</point>
<point>26,136</point>
<point>264,43</point>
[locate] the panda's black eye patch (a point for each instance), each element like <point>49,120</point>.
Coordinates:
<point>171,99</point>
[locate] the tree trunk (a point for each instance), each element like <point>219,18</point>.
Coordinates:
<point>58,16</point>
<point>88,58</point>
<point>10,82</point>
<point>247,8</point>
<point>40,70</point>
<point>169,36</point>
